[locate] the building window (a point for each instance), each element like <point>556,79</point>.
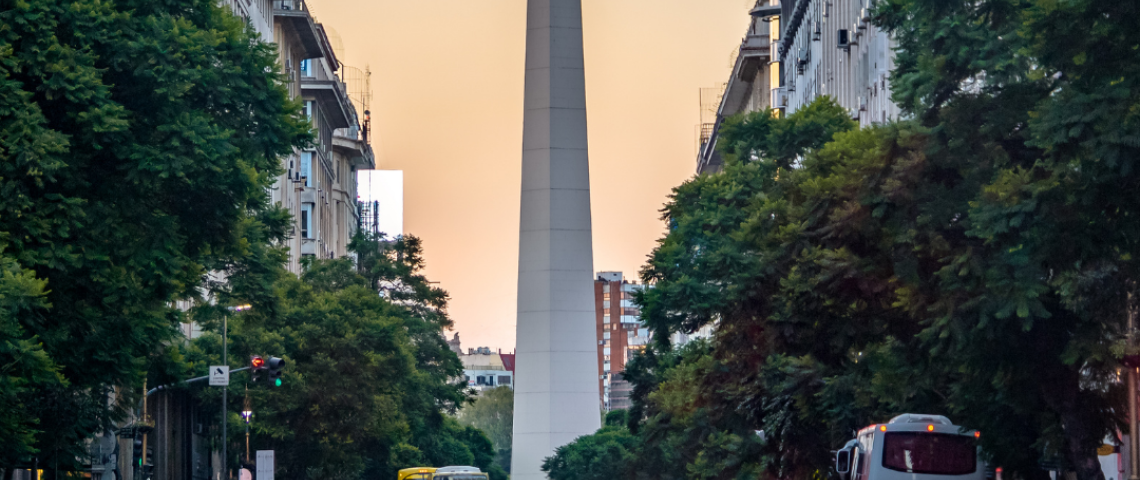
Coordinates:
<point>606,335</point>
<point>606,304</point>
<point>306,220</point>
<point>310,107</point>
<point>307,67</point>
<point>307,168</point>
<point>606,287</point>
<point>606,296</point>
<point>504,380</point>
<point>606,318</point>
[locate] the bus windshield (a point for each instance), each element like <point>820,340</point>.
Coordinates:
<point>932,453</point>
<point>462,476</point>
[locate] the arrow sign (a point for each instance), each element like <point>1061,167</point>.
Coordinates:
<point>220,376</point>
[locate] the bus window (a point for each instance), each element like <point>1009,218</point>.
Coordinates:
<point>932,453</point>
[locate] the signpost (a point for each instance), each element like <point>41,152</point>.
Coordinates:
<point>265,464</point>
<point>219,375</point>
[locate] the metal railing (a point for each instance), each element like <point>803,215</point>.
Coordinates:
<point>707,130</point>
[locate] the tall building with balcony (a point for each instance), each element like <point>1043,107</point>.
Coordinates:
<point>620,333</point>
<point>809,48</point>
<point>830,47</point>
<point>748,88</point>
<point>329,212</point>
<point>318,186</point>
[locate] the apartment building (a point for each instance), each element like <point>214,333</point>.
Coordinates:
<point>748,88</point>
<point>814,48</point>
<point>830,47</point>
<point>620,333</point>
<point>319,184</point>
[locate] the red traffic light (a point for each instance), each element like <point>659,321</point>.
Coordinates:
<point>257,362</point>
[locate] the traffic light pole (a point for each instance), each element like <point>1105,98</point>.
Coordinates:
<point>225,390</point>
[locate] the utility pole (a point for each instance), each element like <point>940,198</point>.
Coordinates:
<point>1133,443</point>
<point>226,388</point>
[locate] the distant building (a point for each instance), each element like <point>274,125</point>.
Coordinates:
<point>619,328</point>
<point>484,369</point>
<point>453,344</point>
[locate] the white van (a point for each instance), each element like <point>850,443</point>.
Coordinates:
<point>912,447</point>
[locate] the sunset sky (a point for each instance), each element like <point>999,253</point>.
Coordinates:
<point>448,82</point>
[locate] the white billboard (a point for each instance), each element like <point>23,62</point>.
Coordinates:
<point>383,190</point>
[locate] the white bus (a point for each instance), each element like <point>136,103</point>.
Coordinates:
<point>459,473</point>
<point>912,447</point>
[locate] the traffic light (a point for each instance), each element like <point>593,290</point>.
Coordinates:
<point>138,450</point>
<point>256,366</point>
<point>275,365</point>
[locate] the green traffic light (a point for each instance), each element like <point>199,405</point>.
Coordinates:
<point>277,382</point>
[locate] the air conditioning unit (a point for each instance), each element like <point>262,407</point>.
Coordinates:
<point>844,39</point>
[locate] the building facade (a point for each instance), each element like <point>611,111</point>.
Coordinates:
<point>620,333</point>
<point>748,88</point>
<point>796,51</point>
<point>830,47</point>
<point>484,369</point>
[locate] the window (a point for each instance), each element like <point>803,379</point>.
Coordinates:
<point>930,453</point>
<point>605,304</point>
<point>606,335</point>
<point>606,296</point>
<point>307,67</point>
<point>307,168</point>
<point>310,108</point>
<point>605,318</point>
<point>306,220</point>
<point>504,379</point>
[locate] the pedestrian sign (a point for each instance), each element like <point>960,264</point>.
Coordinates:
<point>220,376</point>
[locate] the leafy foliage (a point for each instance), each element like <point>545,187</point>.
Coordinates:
<point>137,140</point>
<point>369,385</point>
<point>493,413</point>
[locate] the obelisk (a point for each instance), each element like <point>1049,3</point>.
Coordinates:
<point>556,387</point>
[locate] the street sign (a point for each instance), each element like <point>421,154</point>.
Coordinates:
<point>265,464</point>
<point>220,376</point>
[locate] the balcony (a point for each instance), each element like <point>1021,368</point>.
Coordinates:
<point>297,20</point>
<point>331,94</point>
<point>779,98</point>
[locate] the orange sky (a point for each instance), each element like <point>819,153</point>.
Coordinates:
<point>448,82</point>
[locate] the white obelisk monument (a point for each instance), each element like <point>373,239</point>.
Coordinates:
<point>556,387</point>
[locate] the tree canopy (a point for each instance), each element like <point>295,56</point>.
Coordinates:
<point>974,259</point>
<point>493,413</point>
<point>137,141</point>
<point>370,384</point>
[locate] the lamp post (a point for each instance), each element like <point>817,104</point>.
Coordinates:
<point>226,388</point>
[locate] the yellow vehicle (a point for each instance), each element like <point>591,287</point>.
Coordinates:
<point>418,473</point>
<point>459,473</point>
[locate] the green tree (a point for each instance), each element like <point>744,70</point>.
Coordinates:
<point>604,455</point>
<point>493,413</point>
<point>24,366</point>
<point>358,399</point>
<point>977,261</point>
<point>136,138</point>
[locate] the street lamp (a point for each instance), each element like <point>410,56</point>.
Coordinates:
<point>226,388</point>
